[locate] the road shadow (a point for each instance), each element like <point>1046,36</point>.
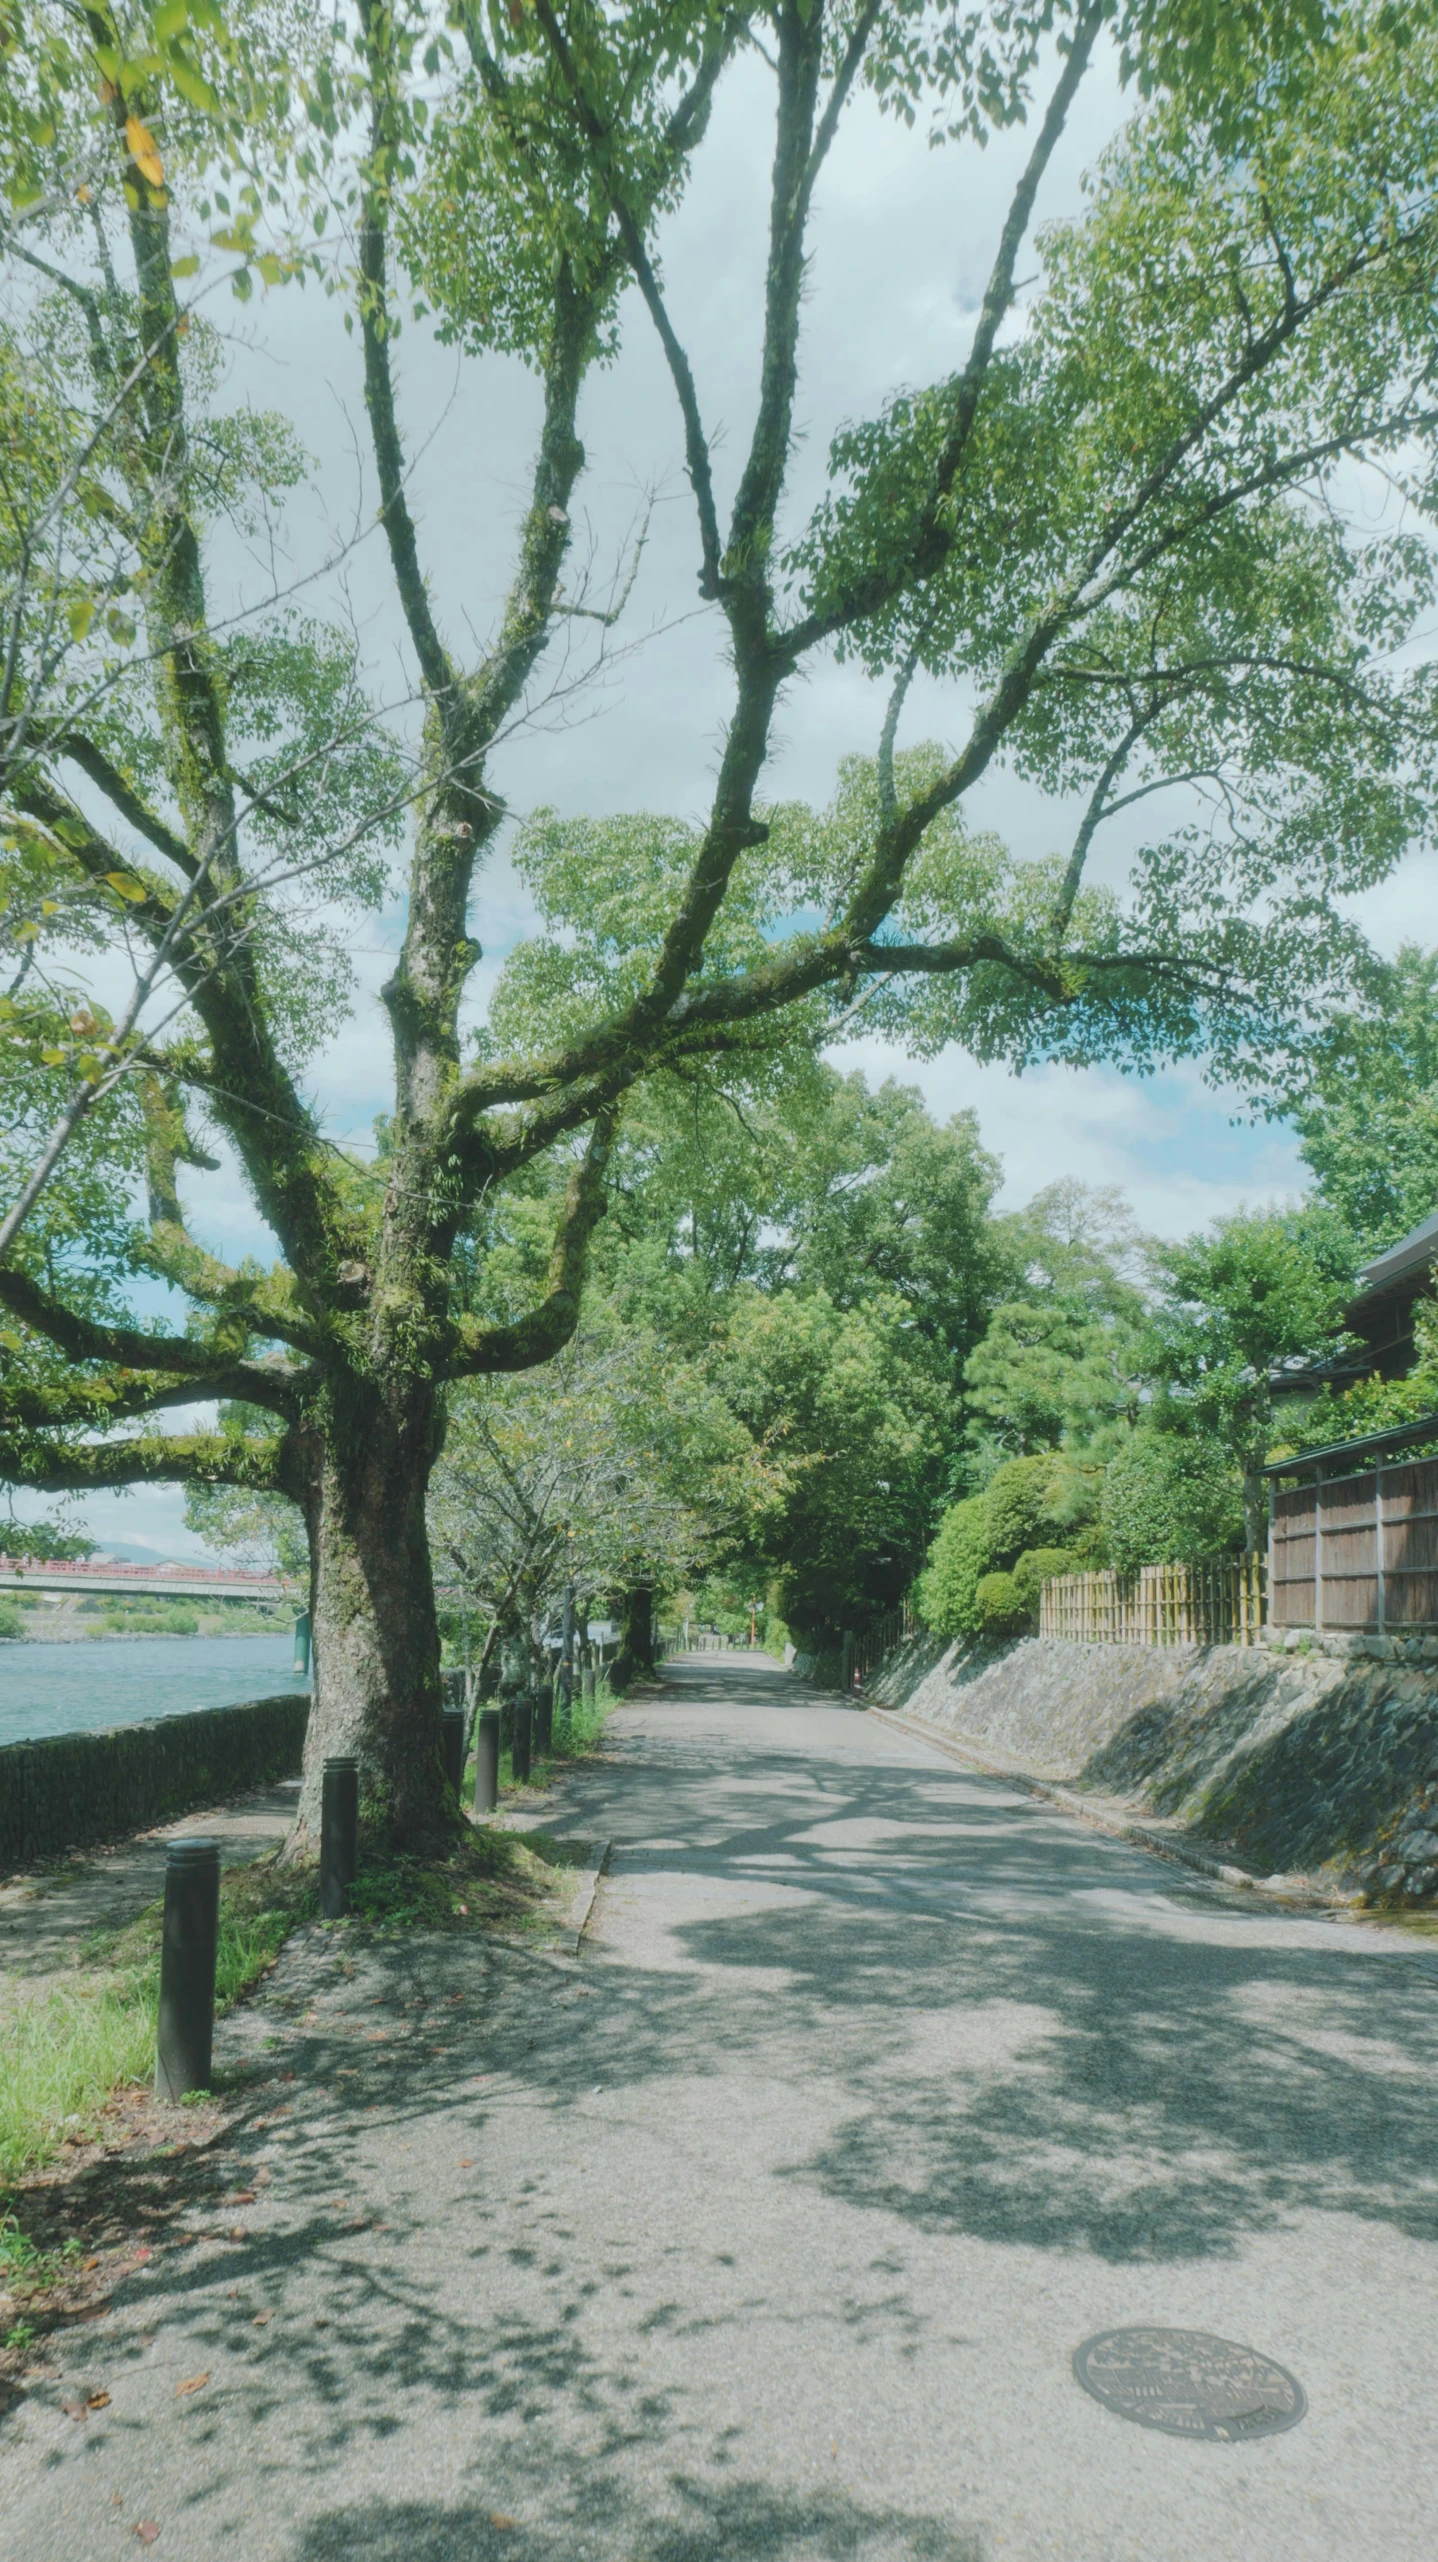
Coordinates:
<point>1025,2032</point>
<point>730,2522</point>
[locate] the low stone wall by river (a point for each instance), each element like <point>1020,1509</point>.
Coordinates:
<point>65,1792</point>
<point>1311,1762</point>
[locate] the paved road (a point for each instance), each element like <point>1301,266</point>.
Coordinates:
<point>766,2232</point>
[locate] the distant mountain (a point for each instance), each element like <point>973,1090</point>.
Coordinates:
<point>125,1553</point>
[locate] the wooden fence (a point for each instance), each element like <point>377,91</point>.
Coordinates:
<point>1355,1547</point>
<point>1217,1603</point>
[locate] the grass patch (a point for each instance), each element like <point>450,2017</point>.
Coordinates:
<point>581,1732</point>
<point>68,2049</point>
<point>490,1880</point>
<point>153,1623</point>
<point>65,2052</point>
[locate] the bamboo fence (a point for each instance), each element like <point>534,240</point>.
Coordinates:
<point>1220,1602</point>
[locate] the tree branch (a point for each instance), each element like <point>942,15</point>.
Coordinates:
<point>1073,874</point>
<point>160,1458</point>
<point>377,31</point>
<point>998,296</point>
<point>548,1327</point>
<point>696,444</point>
<point>127,1348</point>
<point>122,796</point>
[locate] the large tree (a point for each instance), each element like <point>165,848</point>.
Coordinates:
<point>1130,528</point>
<point>1369,1126</point>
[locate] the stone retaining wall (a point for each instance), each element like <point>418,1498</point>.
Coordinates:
<point>62,1792</point>
<point>1315,1762</point>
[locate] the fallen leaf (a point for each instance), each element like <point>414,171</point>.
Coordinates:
<point>146,2530</point>
<point>92,2262</point>
<point>73,2410</point>
<point>237,2233</point>
<point>99,2401</point>
<point>143,2253</point>
<point>498,2518</point>
<point>192,2383</point>
<point>243,2197</point>
<point>466,2166</point>
<point>261,2319</point>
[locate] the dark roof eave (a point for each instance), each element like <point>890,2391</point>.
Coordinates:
<point>1369,1445</point>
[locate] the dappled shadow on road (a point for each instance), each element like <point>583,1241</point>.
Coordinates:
<point>699,2522</point>
<point>1050,2039</point>
<point>967,2017</point>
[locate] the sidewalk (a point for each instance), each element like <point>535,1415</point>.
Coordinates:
<point>47,1917</point>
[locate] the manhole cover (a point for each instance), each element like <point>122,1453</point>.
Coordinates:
<point>1189,2383</point>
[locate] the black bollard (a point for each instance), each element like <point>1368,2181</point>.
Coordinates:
<point>455,1722</point>
<point>339,1833</point>
<point>187,1967</point>
<point>544,1720</point>
<point>486,1763</point>
<point>523,1738</point>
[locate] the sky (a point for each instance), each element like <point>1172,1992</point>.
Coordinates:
<point>904,237</point>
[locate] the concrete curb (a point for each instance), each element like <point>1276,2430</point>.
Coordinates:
<point>1122,1827</point>
<point>586,1887</point>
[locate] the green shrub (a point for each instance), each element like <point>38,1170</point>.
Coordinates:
<point>173,1622</point>
<point>1170,1499</point>
<point>945,1594</point>
<point>1029,1507</point>
<point>1019,1507</point>
<point>1033,1571</point>
<point>1000,1606</point>
<point>11,1623</point>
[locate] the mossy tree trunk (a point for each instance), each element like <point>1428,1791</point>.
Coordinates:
<point>376,1635</point>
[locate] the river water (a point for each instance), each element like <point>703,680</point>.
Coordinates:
<point>115,1681</point>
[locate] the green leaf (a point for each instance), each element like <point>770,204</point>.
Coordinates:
<point>192,84</point>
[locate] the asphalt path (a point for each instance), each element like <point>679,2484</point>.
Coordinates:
<point>767,2229</point>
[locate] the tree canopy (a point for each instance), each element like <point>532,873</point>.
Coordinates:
<point>1127,529</point>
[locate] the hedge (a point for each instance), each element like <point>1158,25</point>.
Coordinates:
<point>61,1792</point>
